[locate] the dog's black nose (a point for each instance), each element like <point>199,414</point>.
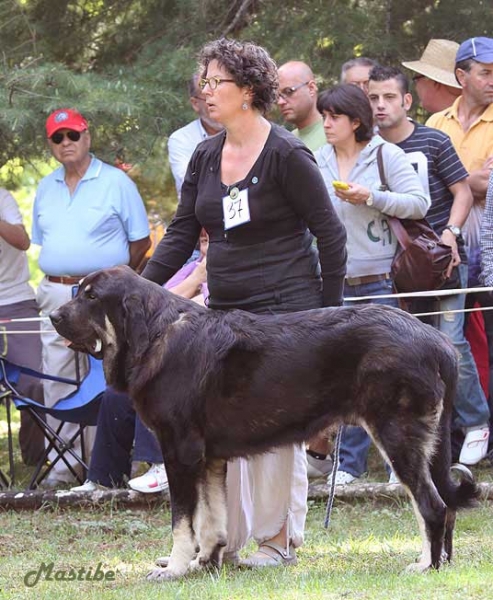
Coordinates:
<point>55,317</point>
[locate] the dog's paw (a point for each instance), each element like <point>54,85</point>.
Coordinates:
<point>163,575</point>
<point>418,567</point>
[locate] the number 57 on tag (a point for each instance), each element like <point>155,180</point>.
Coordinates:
<point>236,212</point>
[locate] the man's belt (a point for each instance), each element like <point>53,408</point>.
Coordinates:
<point>367,279</point>
<point>65,279</point>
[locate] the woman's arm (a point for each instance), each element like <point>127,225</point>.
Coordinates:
<point>305,189</point>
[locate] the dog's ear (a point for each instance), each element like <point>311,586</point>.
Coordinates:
<point>135,325</point>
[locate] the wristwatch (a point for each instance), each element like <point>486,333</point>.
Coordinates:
<point>454,229</point>
<point>369,200</point>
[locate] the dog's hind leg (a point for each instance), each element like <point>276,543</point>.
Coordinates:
<point>210,520</point>
<point>410,462</point>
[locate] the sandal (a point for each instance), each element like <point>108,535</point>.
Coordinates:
<point>270,554</point>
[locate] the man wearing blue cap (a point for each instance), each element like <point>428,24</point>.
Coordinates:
<point>469,123</point>
<point>468,120</point>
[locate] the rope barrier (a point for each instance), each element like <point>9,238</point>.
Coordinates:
<point>427,294</point>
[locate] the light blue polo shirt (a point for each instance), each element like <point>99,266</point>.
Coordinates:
<point>91,229</point>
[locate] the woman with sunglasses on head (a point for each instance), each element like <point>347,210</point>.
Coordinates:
<point>349,166</point>
<point>258,192</point>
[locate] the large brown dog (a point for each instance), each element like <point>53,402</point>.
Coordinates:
<point>216,385</point>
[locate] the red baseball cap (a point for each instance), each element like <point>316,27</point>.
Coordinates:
<point>65,118</point>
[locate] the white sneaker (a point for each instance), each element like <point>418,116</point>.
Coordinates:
<point>88,486</point>
<point>318,467</point>
<point>475,446</point>
<point>155,480</point>
<point>342,478</point>
<point>393,478</point>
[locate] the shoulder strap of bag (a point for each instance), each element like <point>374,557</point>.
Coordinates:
<point>395,223</point>
<point>381,171</point>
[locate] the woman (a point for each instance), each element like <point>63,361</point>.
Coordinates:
<point>350,157</point>
<point>258,192</point>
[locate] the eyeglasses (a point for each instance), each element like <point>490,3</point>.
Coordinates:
<point>287,92</point>
<point>58,136</point>
<point>213,82</point>
<point>417,77</point>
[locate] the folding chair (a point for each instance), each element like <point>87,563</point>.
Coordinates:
<point>80,407</point>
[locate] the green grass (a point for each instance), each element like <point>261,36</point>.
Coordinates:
<point>362,555</point>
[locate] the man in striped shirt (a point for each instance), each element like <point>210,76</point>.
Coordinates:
<point>432,154</point>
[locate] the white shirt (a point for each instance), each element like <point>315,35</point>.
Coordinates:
<point>181,145</point>
<point>14,270</point>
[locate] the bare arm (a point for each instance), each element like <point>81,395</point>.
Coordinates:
<point>15,235</point>
<point>478,181</point>
<point>463,201</point>
<point>190,287</point>
<point>137,251</point>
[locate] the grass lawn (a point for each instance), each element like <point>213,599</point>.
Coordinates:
<point>362,555</point>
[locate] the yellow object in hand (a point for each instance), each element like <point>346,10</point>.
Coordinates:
<point>341,185</point>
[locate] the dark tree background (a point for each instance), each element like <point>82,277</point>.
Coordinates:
<point>124,64</point>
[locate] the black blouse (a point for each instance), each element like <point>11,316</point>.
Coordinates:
<point>272,255</point>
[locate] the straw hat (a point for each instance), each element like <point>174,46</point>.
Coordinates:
<point>437,62</point>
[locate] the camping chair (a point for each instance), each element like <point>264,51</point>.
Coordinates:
<point>80,407</point>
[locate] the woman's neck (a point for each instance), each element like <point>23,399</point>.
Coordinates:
<point>347,156</point>
<point>248,130</point>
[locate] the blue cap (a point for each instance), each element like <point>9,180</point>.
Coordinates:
<point>479,49</point>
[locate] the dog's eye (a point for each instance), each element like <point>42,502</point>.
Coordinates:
<point>90,294</point>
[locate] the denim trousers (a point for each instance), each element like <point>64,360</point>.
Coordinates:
<point>471,406</point>
<point>118,430</point>
<point>355,442</point>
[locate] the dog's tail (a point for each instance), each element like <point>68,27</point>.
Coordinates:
<point>465,492</point>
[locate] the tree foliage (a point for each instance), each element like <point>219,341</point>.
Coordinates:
<point>124,64</point>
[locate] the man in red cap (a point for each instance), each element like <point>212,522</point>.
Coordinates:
<point>87,215</point>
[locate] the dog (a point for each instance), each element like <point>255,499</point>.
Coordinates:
<point>215,385</point>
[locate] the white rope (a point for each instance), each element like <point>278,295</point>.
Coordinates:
<point>427,294</point>
<point>38,331</point>
<point>24,320</point>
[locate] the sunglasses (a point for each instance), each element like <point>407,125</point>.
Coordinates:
<point>287,92</point>
<point>73,136</point>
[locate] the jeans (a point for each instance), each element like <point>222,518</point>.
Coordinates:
<point>119,428</point>
<point>355,442</point>
<point>471,406</point>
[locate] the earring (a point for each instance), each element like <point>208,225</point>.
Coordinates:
<point>244,106</point>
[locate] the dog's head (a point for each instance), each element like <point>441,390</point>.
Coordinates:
<point>116,316</point>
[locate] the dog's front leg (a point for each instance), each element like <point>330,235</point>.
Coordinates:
<point>183,488</point>
<point>210,522</point>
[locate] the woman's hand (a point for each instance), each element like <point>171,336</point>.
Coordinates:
<point>356,194</point>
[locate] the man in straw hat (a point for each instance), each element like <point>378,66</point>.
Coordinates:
<point>435,81</point>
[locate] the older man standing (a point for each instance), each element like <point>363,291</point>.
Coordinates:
<point>87,215</point>
<point>469,123</point>
<point>183,141</point>
<point>298,103</point>
<point>435,82</point>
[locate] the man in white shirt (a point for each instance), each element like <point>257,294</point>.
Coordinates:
<point>183,141</point>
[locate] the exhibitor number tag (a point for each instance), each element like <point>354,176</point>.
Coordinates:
<point>236,211</point>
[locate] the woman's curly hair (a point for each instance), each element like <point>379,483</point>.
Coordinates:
<point>248,64</point>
